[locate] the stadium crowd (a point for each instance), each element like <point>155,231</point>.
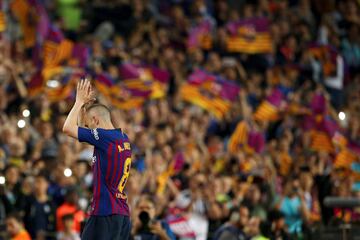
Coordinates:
<point>187,180</point>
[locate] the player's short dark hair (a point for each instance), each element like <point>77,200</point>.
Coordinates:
<point>98,106</point>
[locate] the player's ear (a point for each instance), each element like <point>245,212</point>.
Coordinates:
<point>95,120</point>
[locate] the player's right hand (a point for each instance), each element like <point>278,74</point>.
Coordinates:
<point>84,93</point>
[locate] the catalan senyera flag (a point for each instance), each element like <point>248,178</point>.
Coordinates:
<point>344,158</point>
<point>322,129</point>
<point>56,48</point>
<point>173,168</point>
<point>66,83</point>
<point>119,95</point>
<point>251,36</point>
<point>65,89</point>
<point>210,92</point>
<point>269,109</point>
<point>27,17</point>
<point>348,150</point>
<point>239,138</point>
<point>2,21</point>
<point>326,54</point>
<point>246,138</point>
<point>321,126</point>
<point>145,79</point>
<point>200,36</point>
<point>321,141</point>
<point>33,19</point>
<point>140,83</point>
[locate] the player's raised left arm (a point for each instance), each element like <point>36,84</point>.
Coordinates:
<point>84,94</point>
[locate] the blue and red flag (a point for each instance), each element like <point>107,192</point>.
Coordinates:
<point>200,36</point>
<point>210,92</point>
<point>246,138</point>
<point>139,83</point>
<point>326,54</point>
<point>250,36</point>
<point>270,108</point>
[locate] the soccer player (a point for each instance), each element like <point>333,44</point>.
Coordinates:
<point>109,214</point>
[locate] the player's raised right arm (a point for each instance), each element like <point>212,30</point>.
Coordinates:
<point>84,94</point>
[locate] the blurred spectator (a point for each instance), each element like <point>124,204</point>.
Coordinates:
<point>68,233</point>
<point>11,192</point>
<point>275,227</point>
<point>15,228</point>
<point>70,206</point>
<point>234,229</point>
<point>293,206</point>
<point>146,226</point>
<point>39,215</point>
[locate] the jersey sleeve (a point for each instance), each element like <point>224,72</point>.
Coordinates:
<point>95,137</point>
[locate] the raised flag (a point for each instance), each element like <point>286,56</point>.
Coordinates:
<point>56,83</point>
<point>119,95</point>
<point>251,36</point>
<point>326,54</point>
<point>147,80</point>
<point>64,90</point>
<point>210,92</point>
<point>322,129</point>
<point>200,36</point>
<point>27,17</point>
<point>321,141</point>
<point>2,21</point>
<point>56,48</point>
<point>270,108</point>
<point>246,138</point>
<point>344,159</point>
<point>239,138</point>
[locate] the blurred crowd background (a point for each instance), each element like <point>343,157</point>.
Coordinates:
<point>243,115</point>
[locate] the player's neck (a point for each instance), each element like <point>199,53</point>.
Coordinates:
<point>107,125</point>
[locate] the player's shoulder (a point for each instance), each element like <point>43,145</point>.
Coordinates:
<point>116,133</point>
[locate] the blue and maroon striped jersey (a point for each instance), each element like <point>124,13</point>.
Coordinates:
<point>111,168</point>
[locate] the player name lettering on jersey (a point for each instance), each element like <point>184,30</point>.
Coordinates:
<point>121,195</point>
<point>126,147</point>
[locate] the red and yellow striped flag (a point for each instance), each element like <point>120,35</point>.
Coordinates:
<point>250,36</point>
<point>321,142</point>
<point>2,21</point>
<point>269,109</point>
<point>266,112</point>
<point>55,53</point>
<point>216,106</point>
<point>344,159</point>
<point>26,16</point>
<point>239,138</point>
